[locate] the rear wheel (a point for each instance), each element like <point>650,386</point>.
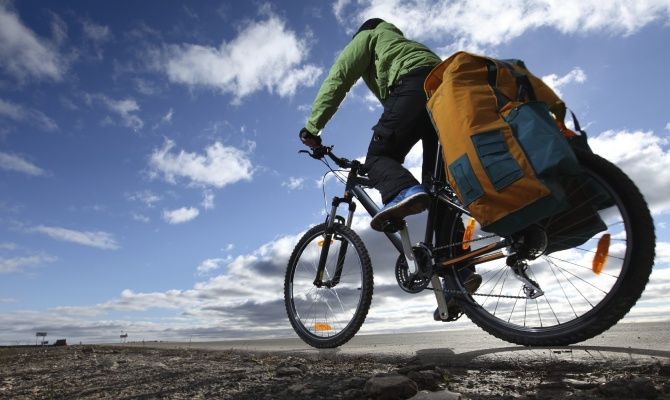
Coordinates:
<point>582,296</point>
<point>328,316</point>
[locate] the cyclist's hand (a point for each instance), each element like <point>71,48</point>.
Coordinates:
<point>310,140</point>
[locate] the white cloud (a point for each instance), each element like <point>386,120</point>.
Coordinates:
<point>96,32</point>
<point>140,218</point>
<point>556,82</point>
<point>230,304</point>
<point>644,157</point>
<point>372,102</point>
<point>663,252</point>
<point>180,215</point>
<point>99,239</point>
<point>294,183</point>
<point>12,162</point>
<point>20,113</point>
<point>264,55</point>
<point>145,196</point>
<point>25,55</point>
<point>208,200</point>
<point>338,8</point>
<point>12,111</point>
<point>211,264</point>
<point>14,264</point>
<point>167,118</point>
<point>58,29</point>
<point>477,23</point>
<point>95,36</point>
<point>126,109</point>
<point>219,165</point>
<point>8,246</point>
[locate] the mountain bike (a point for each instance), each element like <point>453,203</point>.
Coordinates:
<point>532,292</point>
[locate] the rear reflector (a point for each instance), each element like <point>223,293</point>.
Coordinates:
<point>602,252</point>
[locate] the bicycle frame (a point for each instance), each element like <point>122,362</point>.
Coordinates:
<point>441,195</point>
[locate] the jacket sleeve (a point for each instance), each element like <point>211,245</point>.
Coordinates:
<point>350,65</point>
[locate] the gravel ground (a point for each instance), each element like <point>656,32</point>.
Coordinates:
<point>100,372</point>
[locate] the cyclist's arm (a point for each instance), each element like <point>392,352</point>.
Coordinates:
<point>348,68</point>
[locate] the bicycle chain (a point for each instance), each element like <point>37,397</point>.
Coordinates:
<point>453,291</point>
<point>502,296</point>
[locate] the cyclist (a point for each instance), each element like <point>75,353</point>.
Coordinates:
<point>394,69</point>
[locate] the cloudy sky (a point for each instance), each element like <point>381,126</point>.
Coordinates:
<point>149,175</point>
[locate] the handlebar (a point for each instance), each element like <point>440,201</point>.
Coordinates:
<point>318,153</point>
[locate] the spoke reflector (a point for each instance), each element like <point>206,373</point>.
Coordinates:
<point>321,242</point>
<point>322,326</point>
<point>602,252</point>
<point>468,234</point>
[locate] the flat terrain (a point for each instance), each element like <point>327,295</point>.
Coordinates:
<point>641,341</point>
<point>282,369</point>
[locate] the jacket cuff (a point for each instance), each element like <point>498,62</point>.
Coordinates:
<point>312,129</point>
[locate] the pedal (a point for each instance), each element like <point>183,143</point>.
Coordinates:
<point>454,313</point>
<point>393,226</point>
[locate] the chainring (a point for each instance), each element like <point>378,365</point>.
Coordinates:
<point>421,279</point>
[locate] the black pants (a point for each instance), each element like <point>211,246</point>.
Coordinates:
<point>403,123</point>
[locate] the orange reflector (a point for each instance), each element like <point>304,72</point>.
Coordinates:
<point>602,252</point>
<point>321,242</point>
<point>468,234</point>
<point>322,326</point>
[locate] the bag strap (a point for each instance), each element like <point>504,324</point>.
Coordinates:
<point>578,128</point>
<point>525,90</point>
<point>492,77</point>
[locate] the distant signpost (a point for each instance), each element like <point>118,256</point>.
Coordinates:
<point>41,335</point>
<point>123,337</point>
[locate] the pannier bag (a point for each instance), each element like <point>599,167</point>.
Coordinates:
<point>504,145</point>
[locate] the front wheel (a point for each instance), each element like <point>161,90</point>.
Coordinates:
<point>579,301</point>
<point>328,314</point>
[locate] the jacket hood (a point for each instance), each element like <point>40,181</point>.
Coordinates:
<point>389,27</point>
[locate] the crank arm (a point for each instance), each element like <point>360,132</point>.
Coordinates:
<point>439,295</point>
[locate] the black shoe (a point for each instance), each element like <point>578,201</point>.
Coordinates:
<point>471,285</point>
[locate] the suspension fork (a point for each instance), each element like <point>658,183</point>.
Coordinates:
<point>343,248</point>
<point>330,232</point>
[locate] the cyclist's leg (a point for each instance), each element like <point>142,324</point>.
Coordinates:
<point>402,124</point>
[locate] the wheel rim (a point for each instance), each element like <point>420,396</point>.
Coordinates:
<point>324,313</point>
<point>572,290</point>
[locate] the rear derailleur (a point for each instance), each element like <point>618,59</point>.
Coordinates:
<point>519,266</point>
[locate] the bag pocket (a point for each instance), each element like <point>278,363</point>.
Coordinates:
<point>501,168</point>
<point>546,148</point>
<point>466,181</point>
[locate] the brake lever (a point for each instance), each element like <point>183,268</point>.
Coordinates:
<point>317,153</point>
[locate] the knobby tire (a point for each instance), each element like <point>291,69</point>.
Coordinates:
<point>355,248</point>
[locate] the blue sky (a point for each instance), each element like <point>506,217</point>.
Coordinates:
<point>149,175</point>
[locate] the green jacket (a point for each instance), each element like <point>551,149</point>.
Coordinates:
<point>379,56</point>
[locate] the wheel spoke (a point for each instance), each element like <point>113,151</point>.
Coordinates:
<point>553,271</point>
